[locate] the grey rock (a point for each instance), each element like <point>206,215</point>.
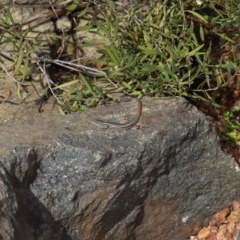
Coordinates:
<point>64,178</point>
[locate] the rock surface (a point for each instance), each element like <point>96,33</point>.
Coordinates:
<point>64,178</point>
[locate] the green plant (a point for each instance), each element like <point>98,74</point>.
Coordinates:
<point>231,133</point>
<point>146,52</point>
<point>162,48</point>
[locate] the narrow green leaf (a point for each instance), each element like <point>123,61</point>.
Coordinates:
<point>115,72</point>
<point>9,16</point>
<point>116,29</point>
<point>147,40</point>
<point>101,27</point>
<point>218,78</point>
<point>125,84</point>
<point>81,28</point>
<point>19,62</point>
<point>94,42</point>
<point>67,84</point>
<point>229,66</point>
<point>147,68</point>
<point>197,15</point>
<point>113,54</point>
<point>25,71</point>
<point>71,8</point>
<point>131,63</point>
<point>193,52</point>
<point>212,101</point>
<point>82,13</point>
<point>223,36</point>
<point>54,36</point>
<point>201,33</point>
<point>137,93</point>
<point>87,84</point>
